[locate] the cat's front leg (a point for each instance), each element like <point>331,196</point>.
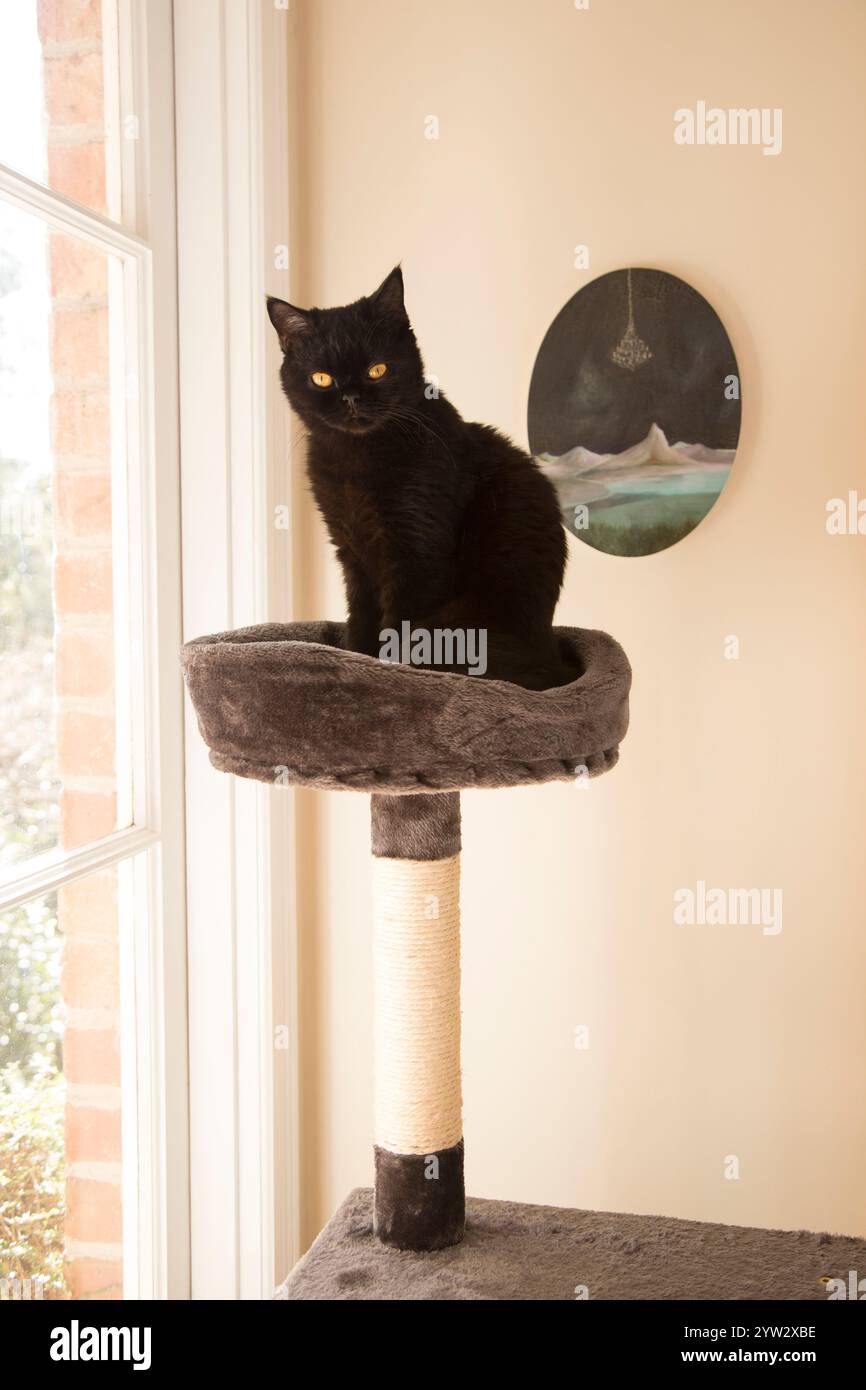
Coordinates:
<point>364,621</point>
<point>410,604</point>
<point>411,576</point>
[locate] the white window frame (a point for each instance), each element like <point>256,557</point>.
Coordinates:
<point>232,133</point>
<point>144,494</point>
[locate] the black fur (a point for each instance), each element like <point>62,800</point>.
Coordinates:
<point>435,520</point>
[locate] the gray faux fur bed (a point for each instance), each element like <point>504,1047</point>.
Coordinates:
<point>288,704</point>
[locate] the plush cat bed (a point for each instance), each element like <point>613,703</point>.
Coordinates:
<point>516,1252</point>
<point>287,703</point>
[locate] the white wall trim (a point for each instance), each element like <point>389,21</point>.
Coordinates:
<point>275,83</point>
<point>232,183</point>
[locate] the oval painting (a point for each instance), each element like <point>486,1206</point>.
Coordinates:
<point>634,410</point>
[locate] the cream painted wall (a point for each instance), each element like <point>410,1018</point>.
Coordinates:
<point>557,129</point>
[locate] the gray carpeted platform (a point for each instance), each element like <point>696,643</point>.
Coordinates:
<point>517,1252</point>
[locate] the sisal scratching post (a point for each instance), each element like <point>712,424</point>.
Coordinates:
<point>287,704</point>
<point>418,1123</point>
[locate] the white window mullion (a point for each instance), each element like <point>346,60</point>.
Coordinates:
<point>67,216</point>
<point>51,871</point>
<point>160,1128</point>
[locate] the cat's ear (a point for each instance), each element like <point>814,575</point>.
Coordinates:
<point>287,320</point>
<point>389,295</point>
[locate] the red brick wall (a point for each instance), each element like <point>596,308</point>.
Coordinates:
<point>71,36</point>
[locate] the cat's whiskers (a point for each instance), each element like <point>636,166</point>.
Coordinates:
<point>415,417</point>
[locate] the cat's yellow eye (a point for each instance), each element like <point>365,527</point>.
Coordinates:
<point>377,370</point>
<point>322,379</point>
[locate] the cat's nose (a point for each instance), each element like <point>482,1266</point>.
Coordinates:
<point>350,400</point>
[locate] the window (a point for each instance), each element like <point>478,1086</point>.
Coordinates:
<point>67,756</point>
<point>92,1052</point>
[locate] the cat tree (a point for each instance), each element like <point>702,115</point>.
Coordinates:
<point>288,704</point>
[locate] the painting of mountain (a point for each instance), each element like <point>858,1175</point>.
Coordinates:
<point>634,411</point>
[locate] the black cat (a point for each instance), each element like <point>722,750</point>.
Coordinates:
<point>437,522</point>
